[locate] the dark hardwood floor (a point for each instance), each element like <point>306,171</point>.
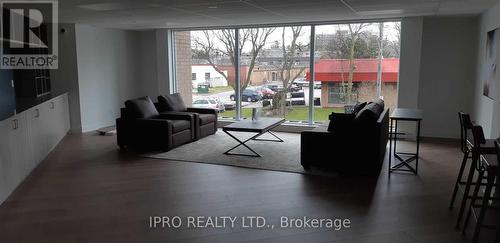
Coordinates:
<point>87,191</point>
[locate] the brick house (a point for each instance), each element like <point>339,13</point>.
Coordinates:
<point>331,73</point>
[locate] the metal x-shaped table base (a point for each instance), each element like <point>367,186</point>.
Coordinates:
<point>404,162</point>
<point>255,137</point>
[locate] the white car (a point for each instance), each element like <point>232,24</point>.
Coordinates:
<point>208,103</point>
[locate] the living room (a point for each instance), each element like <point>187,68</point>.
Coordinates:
<point>252,121</point>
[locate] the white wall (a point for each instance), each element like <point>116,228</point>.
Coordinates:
<point>447,73</point>
<point>409,63</point>
<point>108,73</point>
<point>438,76</point>
<point>486,111</point>
<point>147,69</point>
<point>65,78</point>
<point>101,68</point>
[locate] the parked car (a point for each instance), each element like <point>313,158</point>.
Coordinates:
<point>249,95</point>
<point>305,83</point>
<point>294,88</point>
<point>229,106</point>
<point>273,87</point>
<point>301,82</point>
<point>267,93</point>
<point>208,103</point>
<point>277,88</point>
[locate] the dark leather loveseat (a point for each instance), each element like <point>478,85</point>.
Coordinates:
<point>352,143</point>
<point>205,119</point>
<point>142,127</point>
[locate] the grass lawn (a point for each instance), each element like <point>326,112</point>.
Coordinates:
<point>220,89</point>
<point>299,113</point>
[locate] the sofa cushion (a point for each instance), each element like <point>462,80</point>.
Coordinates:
<point>171,102</point>
<point>206,118</point>
<point>358,107</point>
<point>369,113</point>
<point>180,125</point>
<point>340,122</point>
<point>380,102</point>
<point>141,108</point>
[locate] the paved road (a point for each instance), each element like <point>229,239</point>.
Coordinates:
<point>225,96</point>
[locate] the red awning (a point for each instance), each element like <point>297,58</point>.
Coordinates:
<point>332,70</point>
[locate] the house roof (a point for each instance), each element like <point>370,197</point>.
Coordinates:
<point>332,70</point>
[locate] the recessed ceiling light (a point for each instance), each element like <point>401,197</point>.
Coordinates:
<point>212,6</point>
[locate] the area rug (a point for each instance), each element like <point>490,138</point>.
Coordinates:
<point>276,156</point>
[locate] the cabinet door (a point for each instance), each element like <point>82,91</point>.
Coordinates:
<point>67,124</point>
<point>50,122</point>
<point>5,158</point>
<point>20,153</point>
<point>12,152</point>
<point>61,119</point>
<point>36,143</point>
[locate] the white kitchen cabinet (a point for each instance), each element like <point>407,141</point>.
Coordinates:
<point>27,138</point>
<point>37,146</point>
<point>14,156</point>
<point>5,160</point>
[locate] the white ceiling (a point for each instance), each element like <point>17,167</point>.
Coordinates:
<point>126,14</point>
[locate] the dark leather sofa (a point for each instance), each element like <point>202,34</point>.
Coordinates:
<point>142,127</point>
<point>352,143</point>
<point>205,119</point>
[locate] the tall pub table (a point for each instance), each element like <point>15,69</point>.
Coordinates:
<point>404,159</point>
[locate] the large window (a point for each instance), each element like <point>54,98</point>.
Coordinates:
<point>272,61</point>
<point>205,70</point>
<point>354,63</point>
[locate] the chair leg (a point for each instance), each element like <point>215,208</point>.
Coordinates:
<point>459,179</point>
<point>497,238</point>
<point>473,200</point>
<point>466,191</point>
<point>484,207</point>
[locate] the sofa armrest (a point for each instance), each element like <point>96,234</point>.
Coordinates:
<point>202,110</point>
<point>174,115</point>
<point>181,115</point>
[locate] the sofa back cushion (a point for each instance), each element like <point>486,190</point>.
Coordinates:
<point>171,102</point>
<point>369,114</point>
<point>358,107</point>
<point>340,122</point>
<point>380,102</point>
<point>141,108</point>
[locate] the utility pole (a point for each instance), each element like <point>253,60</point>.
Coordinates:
<point>380,58</point>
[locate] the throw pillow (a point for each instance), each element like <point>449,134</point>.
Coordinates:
<point>171,102</point>
<point>141,108</point>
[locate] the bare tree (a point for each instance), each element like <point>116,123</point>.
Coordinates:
<point>215,42</point>
<point>288,67</point>
<point>396,44</point>
<point>355,30</point>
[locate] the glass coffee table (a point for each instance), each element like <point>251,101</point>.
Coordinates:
<point>259,127</point>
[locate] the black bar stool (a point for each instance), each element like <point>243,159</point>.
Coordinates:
<point>488,164</point>
<point>480,146</point>
<point>466,147</point>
